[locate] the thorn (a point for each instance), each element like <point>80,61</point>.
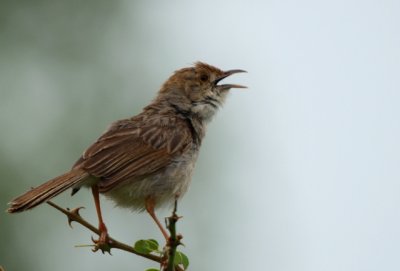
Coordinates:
<point>74,211</point>
<point>179,241</point>
<point>84,246</point>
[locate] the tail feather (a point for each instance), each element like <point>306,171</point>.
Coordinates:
<point>47,190</point>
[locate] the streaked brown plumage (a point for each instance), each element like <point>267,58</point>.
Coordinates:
<point>145,161</point>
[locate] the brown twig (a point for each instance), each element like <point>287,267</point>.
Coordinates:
<point>73,215</point>
<point>174,239</point>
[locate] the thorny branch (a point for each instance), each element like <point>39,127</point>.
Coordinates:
<point>74,216</point>
<point>174,240</point>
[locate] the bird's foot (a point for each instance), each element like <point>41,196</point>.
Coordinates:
<point>103,244</point>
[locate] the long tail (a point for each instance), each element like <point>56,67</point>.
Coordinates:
<point>47,190</point>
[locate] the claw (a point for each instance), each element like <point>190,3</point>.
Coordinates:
<point>102,245</point>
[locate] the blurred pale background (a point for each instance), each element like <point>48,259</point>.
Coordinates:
<point>299,172</point>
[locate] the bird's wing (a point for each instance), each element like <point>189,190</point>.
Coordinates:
<point>134,148</point>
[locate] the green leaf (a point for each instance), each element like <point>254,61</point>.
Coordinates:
<point>182,259</point>
<point>153,244</point>
<point>152,269</point>
<point>146,246</point>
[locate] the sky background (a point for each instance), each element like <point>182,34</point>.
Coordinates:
<point>300,172</point>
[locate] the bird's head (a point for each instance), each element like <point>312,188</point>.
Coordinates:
<point>198,90</point>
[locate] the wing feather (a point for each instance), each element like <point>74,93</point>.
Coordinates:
<point>134,148</point>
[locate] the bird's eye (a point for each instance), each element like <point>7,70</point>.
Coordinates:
<point>204,77</point>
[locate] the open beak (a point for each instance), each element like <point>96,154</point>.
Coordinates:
<point>228,86</point>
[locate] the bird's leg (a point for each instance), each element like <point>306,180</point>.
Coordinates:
<point>150,203</point>
<point>103,242</point>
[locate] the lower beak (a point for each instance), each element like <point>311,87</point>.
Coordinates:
<point>228,86</point>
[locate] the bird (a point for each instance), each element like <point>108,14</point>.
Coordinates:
<point>145,161</point>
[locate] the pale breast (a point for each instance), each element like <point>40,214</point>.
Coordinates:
<point>164,186</point>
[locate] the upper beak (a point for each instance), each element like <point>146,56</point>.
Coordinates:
<point>226,74</point>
